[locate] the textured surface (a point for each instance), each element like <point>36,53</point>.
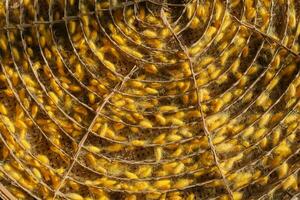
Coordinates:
<point>150,99</point>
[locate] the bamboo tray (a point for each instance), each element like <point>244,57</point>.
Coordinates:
<point>149,99</point>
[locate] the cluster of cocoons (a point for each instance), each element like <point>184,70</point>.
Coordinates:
<point>149,99</point>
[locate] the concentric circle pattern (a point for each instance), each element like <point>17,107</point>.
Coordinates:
<point>149,99</point>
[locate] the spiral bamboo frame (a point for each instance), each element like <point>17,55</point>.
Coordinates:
<point>149,99</point>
